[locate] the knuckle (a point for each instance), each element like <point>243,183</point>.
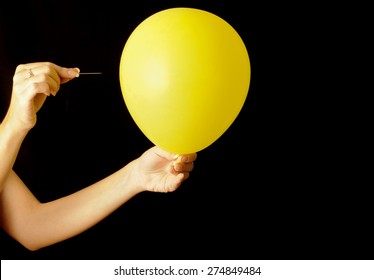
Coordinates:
<point>20,67</point>
<point>34,87</point>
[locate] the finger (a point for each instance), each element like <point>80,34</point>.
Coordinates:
<point>164,154</point>
<point>67,74</point>
<point>47,81</point>
<point>26,66</point>
<point>60,74</point>
<point>187,157</point>
<point>183,176</point>
<point>22,74</point>
<point>186,175</point>
<point>31,71</point>
<point>37,88</point>
<point>183,167</point>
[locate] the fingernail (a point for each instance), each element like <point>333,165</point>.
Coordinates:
<point>183,158</point>
<point>75,72</point>
<point>78,71</point>
<point>176,166</point>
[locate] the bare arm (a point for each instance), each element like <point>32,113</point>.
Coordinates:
<point>10,143</point>
<point>37,225</point>
<point>28,96</point>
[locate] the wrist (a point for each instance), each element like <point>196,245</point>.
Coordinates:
<point>15,126</point>
<point>134,179</point>
<point>13,132</point>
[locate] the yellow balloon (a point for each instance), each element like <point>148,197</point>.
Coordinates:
<point>184,76</point>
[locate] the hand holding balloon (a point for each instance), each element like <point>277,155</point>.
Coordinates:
<point>184,76</point>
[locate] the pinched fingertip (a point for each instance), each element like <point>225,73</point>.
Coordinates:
<point>177,166</point>
<point>74,72</point>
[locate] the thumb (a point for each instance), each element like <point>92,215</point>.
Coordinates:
<point>67,74</point>
<point>164,154</point>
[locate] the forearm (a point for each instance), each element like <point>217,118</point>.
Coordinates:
<point>10,143</point>
<point>38,225</point>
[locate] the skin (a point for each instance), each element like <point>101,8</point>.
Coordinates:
<point>36,225</point>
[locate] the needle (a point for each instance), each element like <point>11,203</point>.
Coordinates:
<point>90,73</point>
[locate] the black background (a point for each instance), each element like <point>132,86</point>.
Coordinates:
<point>279,184</point>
